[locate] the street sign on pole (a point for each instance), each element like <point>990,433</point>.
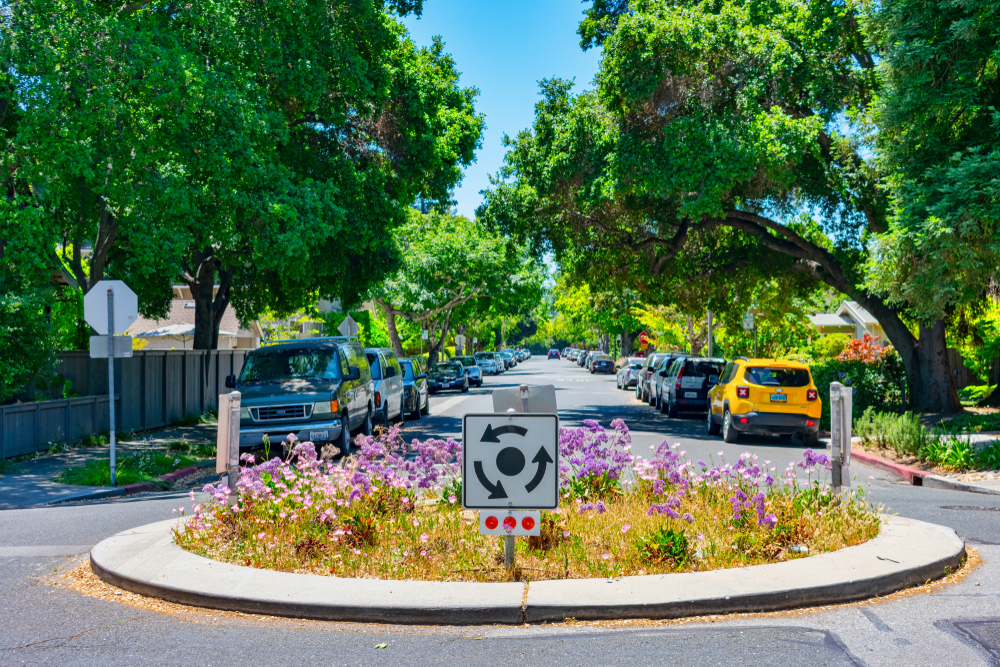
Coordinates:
<point>424,334</point>
<point>748,321</point>
<point>96,307</point>
<point>510,461</point>
<point>348,327</point>
<point>99,346</point>
<point>460,340</point>
<point>111,307</point>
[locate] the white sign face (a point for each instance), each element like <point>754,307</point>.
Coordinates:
<point>510,522</point>
<point>748,320</point>
<point>460,340</point>
<point>348,327</point>
<point>95,306</point>
<point>99,346</point>
<point>510,461</point>
<point>424,334</point>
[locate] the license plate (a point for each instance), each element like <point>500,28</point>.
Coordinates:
<point>690,394</point>
<point>319,435</point>
<point>779,398</point>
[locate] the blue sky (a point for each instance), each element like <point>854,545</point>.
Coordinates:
<point>504,47</point>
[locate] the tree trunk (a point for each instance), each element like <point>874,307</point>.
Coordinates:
<point>498,338</point>
<point>932,385</point>
<point>390,323</point>
<point>202,289</point>
<point>626,343</point>
<point>435,347</point>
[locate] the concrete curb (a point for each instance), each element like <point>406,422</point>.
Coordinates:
<point>939,482</point>
<point>906,553</point>
<point>911,475</point>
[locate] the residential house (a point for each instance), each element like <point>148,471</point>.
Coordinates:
<point>850,318</point>
<point>176,330</point>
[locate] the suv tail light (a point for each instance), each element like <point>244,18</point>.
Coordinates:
<point>680,374</point>
<point>378,400</point>
<point>743,392</point>
<point>812,395</point>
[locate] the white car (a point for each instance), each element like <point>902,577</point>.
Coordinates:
<point>487,362</point>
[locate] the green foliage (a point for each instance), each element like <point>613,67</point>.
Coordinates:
<point>665,546</point>
<point>372,330</point>
<point>976,334</point>
<point>901,433</point>
<point>128,470</point>
<point>878,385</point>
<point>973,423</point>
<point>25,340</point>
<point>975,393</point>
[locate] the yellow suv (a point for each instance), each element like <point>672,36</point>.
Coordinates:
<point>765,396</point>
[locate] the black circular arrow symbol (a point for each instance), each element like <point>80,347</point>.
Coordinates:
<point>542,458</point>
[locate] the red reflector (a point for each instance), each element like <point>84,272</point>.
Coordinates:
<point>527,523</point>
<point>378,400</point>
<point>810,423</point>
<point>491,522</point>
<point>743,420</point>
<point>510,523</point>
<point>743,392</point>
<point>812,395</point>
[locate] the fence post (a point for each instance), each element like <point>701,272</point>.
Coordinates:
<point>841,418</point>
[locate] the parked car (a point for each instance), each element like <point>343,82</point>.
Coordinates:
<point>388,378</point>
<point>582,362</point>
<point>509,359</point>
<point>765,396</point>
<point>416,393</point>
<point>602,363</point>
<point>318,389</point>
<point>642,386</point>
<point>501,362</point>
<point>448,375</point>
<point>660,377</point>
<point>487,362</point>
<point>553,354</point>
<point>628,374</point>
<point>471,369</point>
<point>687,384</point>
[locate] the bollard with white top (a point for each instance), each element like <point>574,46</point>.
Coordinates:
<point>841,416</point>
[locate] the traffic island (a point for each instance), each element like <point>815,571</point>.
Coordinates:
<point>906,553</point>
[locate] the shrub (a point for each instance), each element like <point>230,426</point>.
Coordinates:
<point>975,393</point>
<point>667,546</point>
<point>874,373</point>
<point>902,433</point>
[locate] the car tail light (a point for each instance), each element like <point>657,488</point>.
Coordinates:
<point>378,400</point>
<point>680,374</point>
<point>649,374</point>
<point>743,420</point>
<point>812,395</point>
<point>743,392</point>
<point>810,422</point>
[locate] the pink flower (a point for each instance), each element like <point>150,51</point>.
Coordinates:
<point>452,499</point>
<point>260,536</point>
<point>565,533</point>
<point>423,537</point>
<point>625,528</point>
<point>605,556</point>
<point>416,523</point>
<point>423,553</point>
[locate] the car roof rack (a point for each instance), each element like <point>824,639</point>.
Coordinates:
<point>741,357</point>
<point>342,339</point>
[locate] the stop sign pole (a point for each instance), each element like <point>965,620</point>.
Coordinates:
<point>111,376</point>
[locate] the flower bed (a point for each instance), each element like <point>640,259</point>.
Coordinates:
<point>392,512</point>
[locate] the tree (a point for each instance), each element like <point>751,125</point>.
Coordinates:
<point>713,130</point>
<point>259,153</point>
<point>448,262</point>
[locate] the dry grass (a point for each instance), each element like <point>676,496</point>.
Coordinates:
<point>441,542</point>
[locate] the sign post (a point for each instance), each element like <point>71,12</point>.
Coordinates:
<point>708,338</point>
<point>460,343</point>
<point>841,413</point>
<point>108,307</point>
<point>521,448</point>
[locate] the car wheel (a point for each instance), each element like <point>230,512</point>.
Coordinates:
<point>427,406</point>
<point>399,416</point>
<point>465,388</point>
<point>344,441</point>
<point>672,410</point>
<point>652,399</point>
<point>785,436</point>
<point>385,414</point>
<point>729,433</point>
<point>366,428</point>
<point>810,439</point>
<point>711,427</point>
<point>662,404</point>
<point>638,392</point>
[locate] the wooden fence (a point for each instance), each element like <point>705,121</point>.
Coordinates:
<point>154,388</point>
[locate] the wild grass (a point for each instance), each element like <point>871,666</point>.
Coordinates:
<point>129,469</point>
<point>394,514</point>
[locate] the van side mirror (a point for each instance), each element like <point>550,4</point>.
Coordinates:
<point>422,376</point>
<point>355,373</point>
<point>390,372</point>
<point>230,382</point>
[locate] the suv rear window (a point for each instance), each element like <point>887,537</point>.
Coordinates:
<point>778,377</point>
<point>373,361</point>
<point>696,368</point>
<point>290,364</point>
<point>485,356</point>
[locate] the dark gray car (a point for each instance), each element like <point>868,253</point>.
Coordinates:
<point>416,396</point>
<point>687,383</point>
<point>317,389</point>
<point>388,378</point>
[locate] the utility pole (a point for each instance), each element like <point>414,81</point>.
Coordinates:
<point>708,324</point>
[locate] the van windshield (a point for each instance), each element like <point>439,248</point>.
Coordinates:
<point>485,356</point>
<point>290,364</point>
<point>778,377</point>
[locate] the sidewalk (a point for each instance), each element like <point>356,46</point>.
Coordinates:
<point>31,484</point>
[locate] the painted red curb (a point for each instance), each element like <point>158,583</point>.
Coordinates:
<point>178,474</point>
<point>138,487</point>
<point>145,487</point>
<point>911,475</point>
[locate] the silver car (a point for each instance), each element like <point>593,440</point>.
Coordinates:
<point>628,373</point>
<point>472,369</point>
<point>388,377</point>
<point>487,362</point>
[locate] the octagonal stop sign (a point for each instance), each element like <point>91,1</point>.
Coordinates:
<point>95,306</point>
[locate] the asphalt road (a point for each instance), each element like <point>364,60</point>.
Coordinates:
<point>45,624</point>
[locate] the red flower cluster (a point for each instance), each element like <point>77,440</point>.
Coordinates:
<point>865,349</point>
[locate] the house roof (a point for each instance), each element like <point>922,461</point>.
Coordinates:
<point>856,312</point>
<point>830,320</point>
<point>182,313</point>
